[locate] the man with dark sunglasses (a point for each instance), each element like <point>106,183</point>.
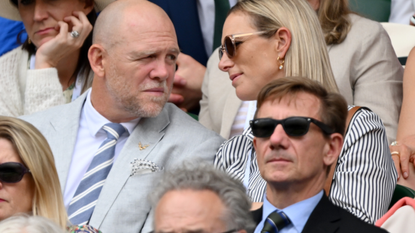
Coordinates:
<point>298,134</point>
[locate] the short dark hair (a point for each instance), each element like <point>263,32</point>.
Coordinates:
<point>333,107</point>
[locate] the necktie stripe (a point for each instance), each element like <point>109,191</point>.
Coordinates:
<point>83,203</point>
<point>83,209</point>
<point>112,132</point>
<point>97,168</point>
<point>97,185</point>
<point>275,222</point>
<point>106,146</point>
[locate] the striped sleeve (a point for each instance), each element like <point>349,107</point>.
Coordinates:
<point>365,176</point>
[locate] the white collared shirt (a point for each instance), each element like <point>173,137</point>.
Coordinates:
<point>90,137</point>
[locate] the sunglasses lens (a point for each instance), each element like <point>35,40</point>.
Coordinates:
<point>296,126</point>
<point>263,128</point>
<point>11,172</point>
<point>230,49</point>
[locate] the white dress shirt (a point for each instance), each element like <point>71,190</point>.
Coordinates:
<point>402,11</point>
<point>206,11</point>
<point>90,137</point>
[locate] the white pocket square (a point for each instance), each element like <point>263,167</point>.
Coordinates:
<point>140,166</point>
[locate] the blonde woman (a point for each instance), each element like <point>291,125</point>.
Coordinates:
<point>362,58</point>
<point>264,40</point>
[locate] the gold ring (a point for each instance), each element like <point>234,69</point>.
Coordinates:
<point>394,143</point>
<point>395,153</point>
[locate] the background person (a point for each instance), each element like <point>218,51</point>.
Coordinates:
<point>200,199</point>
<point>29,224</point>
<point>283,39</point>
<point>51,67</point>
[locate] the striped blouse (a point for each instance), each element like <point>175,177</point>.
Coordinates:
<point>364,178</point>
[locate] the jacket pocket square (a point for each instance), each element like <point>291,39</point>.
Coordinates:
<point>140,166</point>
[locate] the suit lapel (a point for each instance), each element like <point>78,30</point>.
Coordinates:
<point>325,218</point>
<point>230,111</point>
<point>149,131</point>
<point>257,215</point>
<point>65,134</point>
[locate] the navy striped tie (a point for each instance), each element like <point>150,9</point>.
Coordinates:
<point>86,196</point>
<point>275,222</point>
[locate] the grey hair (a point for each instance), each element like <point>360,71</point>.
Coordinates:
<point>29,224</point>
<point>205,177</point>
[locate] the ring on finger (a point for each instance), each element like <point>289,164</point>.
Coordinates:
<point>394,143</point>
<point>395,153</point>
<point>75,34</point>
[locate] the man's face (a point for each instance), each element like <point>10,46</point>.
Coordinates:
<point>140,67</point>
<point>185,211</point>
<point>285,160</point>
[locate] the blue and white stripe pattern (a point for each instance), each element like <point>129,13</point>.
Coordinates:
<point>364,179</point>
<point>275,222</point>
<point>86,196</point>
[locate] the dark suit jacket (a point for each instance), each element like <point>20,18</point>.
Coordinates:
<point>185,18</point>
<point>328,218</point>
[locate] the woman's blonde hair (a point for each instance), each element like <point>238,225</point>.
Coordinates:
<point>334,20</point>
<point>37,156</point>
<point>307,55</point>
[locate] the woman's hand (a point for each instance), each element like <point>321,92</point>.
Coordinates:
<point>50,53</point>
<point>403,155</point>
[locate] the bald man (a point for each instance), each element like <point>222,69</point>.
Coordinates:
<point>113,143</point>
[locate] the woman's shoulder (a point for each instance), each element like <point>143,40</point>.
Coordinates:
<point>15,53</point>
<point>364,26</point>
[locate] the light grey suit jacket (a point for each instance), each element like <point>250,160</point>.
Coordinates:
<point>123,205</point>
<point>364,65</point>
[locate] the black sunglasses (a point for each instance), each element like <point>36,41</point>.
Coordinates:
<point>229,45</point>
<point>12,172</point>
<point>293,126</point>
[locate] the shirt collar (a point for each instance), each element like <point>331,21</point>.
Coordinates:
<point>95,121</point>
<point>298,213</point>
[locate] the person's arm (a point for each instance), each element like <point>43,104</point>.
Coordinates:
<point>377,76</point>
<point>406,129</point>
<point>365,177</point>
<point>187,84</point>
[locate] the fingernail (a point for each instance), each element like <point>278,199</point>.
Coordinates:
<point>405,174</point>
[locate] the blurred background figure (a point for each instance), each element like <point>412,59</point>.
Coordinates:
<point>51,67</point>
<point>200,199</point>
<point>24,223</point>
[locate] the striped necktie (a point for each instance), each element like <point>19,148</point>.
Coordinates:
<point>275,222</point>
<point>86,196</point>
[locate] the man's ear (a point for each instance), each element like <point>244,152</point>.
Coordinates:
<point>96,59</point>
<point>333,149</point>
<point>283,41</point>
<point>254,143</point>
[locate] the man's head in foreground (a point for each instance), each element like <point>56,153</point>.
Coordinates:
<point>133,57</point>
<point>298,129</point>
<point>201,199</point>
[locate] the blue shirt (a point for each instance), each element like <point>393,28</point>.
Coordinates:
<point>298,213</point>
<point>8,36</point>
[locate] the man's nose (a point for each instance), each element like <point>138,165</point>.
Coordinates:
<point>278,138</point>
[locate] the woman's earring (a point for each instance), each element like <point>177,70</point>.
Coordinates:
<point>281,63</point>
<point>29,41</point>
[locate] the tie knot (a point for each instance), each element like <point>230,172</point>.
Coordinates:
<point>275,222</point>
<point>114,130</point>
